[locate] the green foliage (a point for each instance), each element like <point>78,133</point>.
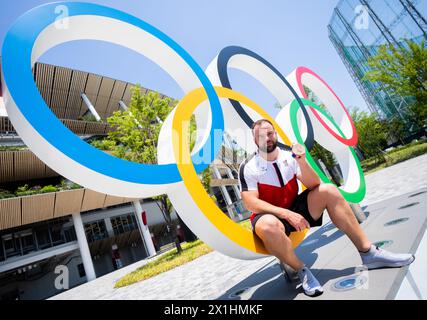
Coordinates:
<point>403,71</point>
<point>396,129</point>
<point>395,156</point>
<point>26,190</point>
<point>166,262</point>
<point>4,194</point>
<point>89,117</point>
<point>13,148</point>
<point>23,191</point>
<point>135,132</point>
<point>372,134</point>
<point>103,144</point>
<point>49,188</point>
<point>320,153</point>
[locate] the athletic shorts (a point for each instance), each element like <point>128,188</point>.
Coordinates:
<point>299,206</point>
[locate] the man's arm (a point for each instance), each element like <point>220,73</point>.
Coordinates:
<point>307,176</point>
<point>253,203</point>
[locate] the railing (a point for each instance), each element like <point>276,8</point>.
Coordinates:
<point>239,211</point>
<point>76,126</point>
<point>23,210</point>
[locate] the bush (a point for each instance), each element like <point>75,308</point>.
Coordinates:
<point>23,191</point>
<point>166,262</point>
<point>13,148</point>
<point>4,194</point>
<point>49,188</point>
<point>106,145</point>
<point>396,155</point>
<point>26,190</point>
<point>68,185</point>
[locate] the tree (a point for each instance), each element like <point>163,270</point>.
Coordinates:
<point>134,134</point>
<point>372,133</point>
<point>396,129</point>
<point>403,71</point>
<point>320,153</point>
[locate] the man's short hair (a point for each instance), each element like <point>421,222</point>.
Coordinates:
<point>260,122</point>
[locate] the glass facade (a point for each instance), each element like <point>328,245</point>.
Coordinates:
<point>35,237</point>
<point>357,29</point>
<point>124,224</point>
<point>95,231</point>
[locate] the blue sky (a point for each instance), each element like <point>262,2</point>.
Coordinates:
<point>287,33</point>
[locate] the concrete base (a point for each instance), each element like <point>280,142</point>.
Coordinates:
<point>333,259</point>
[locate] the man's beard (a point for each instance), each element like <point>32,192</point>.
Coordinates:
<point>271,148</point>
<point>268,149</point>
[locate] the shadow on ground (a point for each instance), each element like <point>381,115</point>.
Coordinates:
<point>268,283</point>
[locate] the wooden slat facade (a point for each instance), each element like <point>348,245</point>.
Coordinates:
<point>28,166</point>
<point>10,213</point>
<point>68,202</point>
<point>6,166</point>
<point>37,207</point>
<point>92,200</point>
<point>112,200</point>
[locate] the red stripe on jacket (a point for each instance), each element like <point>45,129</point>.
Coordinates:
<point>282,197</point>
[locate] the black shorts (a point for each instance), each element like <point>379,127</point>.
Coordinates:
<point>299,206</point>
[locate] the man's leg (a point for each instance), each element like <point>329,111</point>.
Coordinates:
<point>327,196</point>
<point>272,233</point>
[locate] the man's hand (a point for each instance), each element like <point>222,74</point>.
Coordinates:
<point>308,177</point>
<point>298,152</point>
<point>296,220</point>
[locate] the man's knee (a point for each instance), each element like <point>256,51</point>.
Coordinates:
<point>268,226</point>
<point>329,191</point>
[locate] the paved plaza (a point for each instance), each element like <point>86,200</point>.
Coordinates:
<point>397,192</point>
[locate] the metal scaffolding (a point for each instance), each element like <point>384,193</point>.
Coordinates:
<point>390,22</point>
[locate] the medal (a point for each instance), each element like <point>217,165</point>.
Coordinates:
<point>298,150</point>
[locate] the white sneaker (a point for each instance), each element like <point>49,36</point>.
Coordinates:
<point>311,286</point>
<point>379,258</point>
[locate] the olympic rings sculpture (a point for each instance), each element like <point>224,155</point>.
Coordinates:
<point>176,174</point>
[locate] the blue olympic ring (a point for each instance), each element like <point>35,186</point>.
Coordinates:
<point>16,57</point>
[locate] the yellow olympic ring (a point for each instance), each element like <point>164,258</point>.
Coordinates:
<point>207,206</point>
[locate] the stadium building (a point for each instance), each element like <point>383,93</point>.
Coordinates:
<point>48,222</point>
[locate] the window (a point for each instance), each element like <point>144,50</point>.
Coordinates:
<point>219,198</point>
<point>27,241</point>
<point>2,256</point>
<point>232,194</point>
<point>43,238</point>
<point>123,224</point>
<point>56,234</point>
<point>235,174</point>
<point>96,231</point>
<point>70,234</point>
<point>81,269</point>
<point>11,246</point>
<point>223,173</point>
<point>38,236</point>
